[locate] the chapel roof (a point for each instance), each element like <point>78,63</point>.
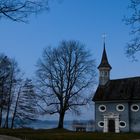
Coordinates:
<point>119,89</point>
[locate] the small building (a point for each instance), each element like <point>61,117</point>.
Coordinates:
<point>80,128</point>
<point>117,101</point>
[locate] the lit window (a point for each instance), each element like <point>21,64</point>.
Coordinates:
<point>122,124</point>
<point>101,124</point>
<point>102,108</point>
<point>120,107</point>
<point>135,107</point>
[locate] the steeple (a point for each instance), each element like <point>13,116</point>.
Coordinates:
<point>104,61</point>
<point>104,68</point>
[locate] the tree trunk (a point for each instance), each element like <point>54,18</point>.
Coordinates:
<point>61,120</point>
<point>2,104</point>
<point>1,116</point>
<point>15,110</point>
<point>6,125</point>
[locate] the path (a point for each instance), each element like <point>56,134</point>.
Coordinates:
<point>2,137</point>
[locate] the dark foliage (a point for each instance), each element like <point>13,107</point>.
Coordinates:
<point>133,47</point>
<point>19,10</point>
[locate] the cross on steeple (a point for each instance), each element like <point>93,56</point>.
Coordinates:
<point>104,37</point>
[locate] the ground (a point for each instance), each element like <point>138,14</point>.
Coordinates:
<point>62,134</point>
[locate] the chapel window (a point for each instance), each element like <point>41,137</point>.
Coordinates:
<point>101,124</point>
<point>122,124</point>
<point>102,108</point>
<point>134,108</point>
<point>120,107</point>
<point>106,73</point>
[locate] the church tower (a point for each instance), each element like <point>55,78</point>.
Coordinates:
<point>104,69</point>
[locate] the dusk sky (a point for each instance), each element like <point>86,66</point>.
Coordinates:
<point>82,20</point>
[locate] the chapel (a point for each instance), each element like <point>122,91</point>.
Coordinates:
<point>117,101</point>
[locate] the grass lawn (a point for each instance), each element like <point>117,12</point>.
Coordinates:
<point>55,134</point>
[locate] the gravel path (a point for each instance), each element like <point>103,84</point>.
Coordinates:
<point>2,137</point>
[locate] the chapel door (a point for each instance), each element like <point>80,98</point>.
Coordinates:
<point>111,126</point>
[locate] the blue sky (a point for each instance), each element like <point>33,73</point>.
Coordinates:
<point>82,20</point>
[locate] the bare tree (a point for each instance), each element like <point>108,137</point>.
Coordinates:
<point>133,47</point>
<point>11,86</point>
<point>15,106</point>
<point>19,10</point>
<point>17,96</point>
<point>25,108</point>
<point>8,79</point>
<point>4,78</point>
<point>64,75</point>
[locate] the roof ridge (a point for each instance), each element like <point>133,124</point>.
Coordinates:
<point>125,78</point>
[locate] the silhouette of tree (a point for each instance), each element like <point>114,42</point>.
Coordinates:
<point>19,10</point>
<point>11,86</point>
<point>64,74</point>
<point>25,107</point>
<point>9,72</point>
<point>133,47</point>
<point>17,96</point>
<point>4,80</point>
